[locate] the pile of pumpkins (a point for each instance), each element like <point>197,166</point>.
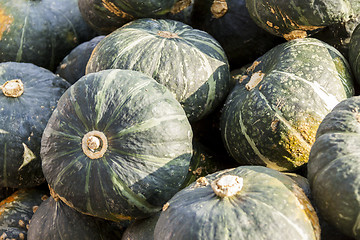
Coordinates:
<point>179,119</point>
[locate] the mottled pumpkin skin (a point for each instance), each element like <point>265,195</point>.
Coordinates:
<point>57,221</point>
<point>17,210</point>
<point>149,145</point>
<point>333,167</point>
<point>73,66</point>
<point>271,116</point>
<point>41,32</point>
<point>189,62</point>
<point>270,205</point>
<point>23,120</point>
<point>300,18</point>
<point>106,16</point>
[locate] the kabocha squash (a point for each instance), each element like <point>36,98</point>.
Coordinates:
<point>229,22</point>
<point>29,95</point>
<point>73,66</point>
<point>105,16</point>
<point>41,32</point>
<point>271,116</point>
<point>17,210</point>
<point>300,18</point>
<point>248,202</point>
<point>189,62</point>
<point>354,53</point>
<point>57,221</point>
<point>117,146</point>
<point>333,167</point>
<point>142,229</point>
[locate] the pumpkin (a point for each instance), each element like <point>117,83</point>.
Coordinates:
<point>189,62</point>
<point>247,202</point>
<point>300,18</point>
<point>17,210</point>
<point>105,16</point>
<point>271,116</point>
<point>29,95</point>
<point>73,66</point>
<point>57,221</point>
<point>141,229</point>
<point>333,170</point>
<point>41,32</point>
<point>354,52</point>
<point>229,22</point>
<point>117,146</point>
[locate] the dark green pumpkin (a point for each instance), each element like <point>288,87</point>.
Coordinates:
<point>300,18</point>
<point>271,116</point>
<point>23,118</point>
<point>354,53</point>
<point>142,229</point>
<point>17,210</point>
<point>248,202</point>
<point>106,16</point>
<point>333,167</point>
<point>189,62</point>
<point>229,22</point>
<point>73,66</point>
<point>41,32</point>
<point>57,221</point>
<point>117,146</point>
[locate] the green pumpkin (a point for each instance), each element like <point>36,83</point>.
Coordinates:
<point>189,62</point>
<point>354,53</point>
<point>28,98</point>
<point>248,202</point>
<point>41,32</point>
<point>17,210</point>
<point>57,221</point>
<point>271,116</point>
<point>333,167</point>
<point>106,16</point>
<point>117,146</point>
<point>142,229</point>
<point>300,18</point>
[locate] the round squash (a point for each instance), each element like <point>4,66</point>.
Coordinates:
<point>117,146</point>
<point>300,18</point>
<point>189,62</point>
<point>28,97</point>
<point>142,229</point>
<point>248,202</point>
<point>57,221</point>
<point>354,53</point>
<point>41,32</point>
<point>333,167</point>
<point>17,210</point>
<point>271,116</point>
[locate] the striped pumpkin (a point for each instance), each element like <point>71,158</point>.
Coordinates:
<point>271,116</point>
<point>189,62</point>
<point>117,146</point>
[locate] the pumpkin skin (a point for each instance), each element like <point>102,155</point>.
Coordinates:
<point>189,62</point>
<point>142,229</point>
<point>57,221</point>
<point>146,147</point>
<point>300,18</point>
<point>73,66</point>
<point>105,16</point>
<point>17,210</point>
<point>269,206</point>
<point>229,22</point>
<point>267,120</point>
<point>333,170</point>
<point>41,32</point>
<point>354,52</point>
<point>28,114</point>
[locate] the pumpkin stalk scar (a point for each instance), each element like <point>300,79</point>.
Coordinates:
<point>13,88</point>
<point>28,156</point>
<point>6,21</point>
<point>227,185</point>
<point>219,8</point>
<point>166,34</point>
<point>94,144</point>
<point>254,80</point>
<point>179,6</point>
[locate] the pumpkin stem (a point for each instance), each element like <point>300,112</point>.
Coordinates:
<point>13,88</point>
<point>227,185</point>
<point>94,144</point>
<point>219,8</point>
<point>166,34</point>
